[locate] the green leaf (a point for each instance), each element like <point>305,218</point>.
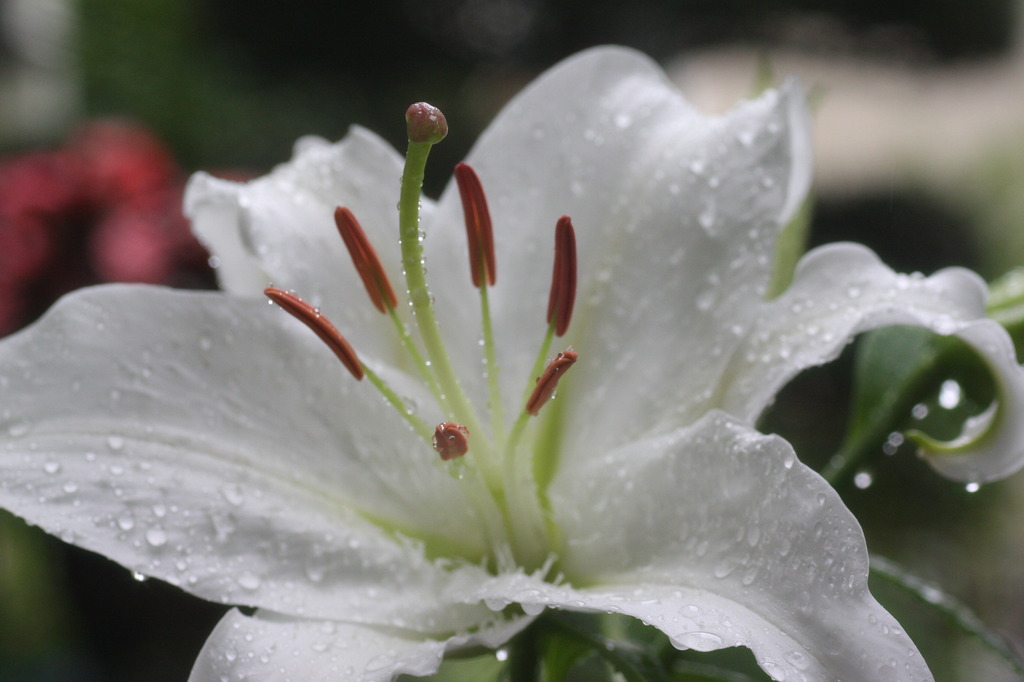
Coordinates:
<point>895,369</point>
<point>956,612</point>
<point>633,662</point>
<point>1006,305</point>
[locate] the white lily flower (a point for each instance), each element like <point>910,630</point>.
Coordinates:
<point>211,441</point>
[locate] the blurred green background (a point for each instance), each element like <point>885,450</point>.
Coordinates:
<point>230,84</point>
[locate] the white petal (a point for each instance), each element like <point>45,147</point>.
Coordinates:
<point>284,222</point>
<point>841,290</point>
<point>676,216</point>
<point>992,445</point>
<point>193,438</point>
<point>718,536</point>
<point>270,647</point>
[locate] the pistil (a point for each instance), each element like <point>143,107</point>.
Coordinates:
<point>427,126</point>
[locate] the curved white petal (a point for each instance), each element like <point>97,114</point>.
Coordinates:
<point>206,441</point>
<point>282,225</point>
<point>266,646</point>
<point>676,216</point>
<point>992,446</point>
<point>718,536</point>
<point>840,290</point>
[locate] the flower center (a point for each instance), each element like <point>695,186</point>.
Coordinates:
<point>494,462</point>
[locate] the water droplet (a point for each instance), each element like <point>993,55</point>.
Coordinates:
<point>705,300</point>
<point>699,641</point>
<point>156,537</point>
<point>249,581</point>
<point>892,443</point>
<point>115,443</point>
<point>138,577</point>
<point>623,120</point>
<point>707,217</point>
<point>774,670</point>
<point>52,467</point>
<point>126,522</point>
<point>232,493</point>
<point>691,611</point>
<point>972,487</point>
<point>70,487</point>
<point>950,394</point>
<point>501,654</point>
<point>920,411</point>
<point>18,428</point>
<point>863,480</point>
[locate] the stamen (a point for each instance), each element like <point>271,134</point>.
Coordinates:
<point>364,257</point>
<point>320,325</point>
<point>451,440</point>
<point>478,225</point>
<point>548,381</point>
<point>563,277</point>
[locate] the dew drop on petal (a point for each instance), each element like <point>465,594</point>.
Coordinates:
<point>698,641</point>
<point>972,487</point>
<point>52,467</point>
<point>18,428</point>
<point>249,581</point>
<point>156,537</point>
<point>115,443</point>
<point>232,493</point>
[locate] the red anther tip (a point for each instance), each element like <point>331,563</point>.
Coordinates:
<point>451,440</point>
<point>548,381</point>
<point>365,258</point>
<point>321,326</point>
<point>479,233</point>
<point>425,123</point>
<point>563,277</point>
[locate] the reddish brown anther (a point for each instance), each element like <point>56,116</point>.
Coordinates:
<point>478,225</point>
<point>563,277</point>
<point>321,326</point>
<point>451,440</point>
<point>364,257</point>
<point>548,381</point>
